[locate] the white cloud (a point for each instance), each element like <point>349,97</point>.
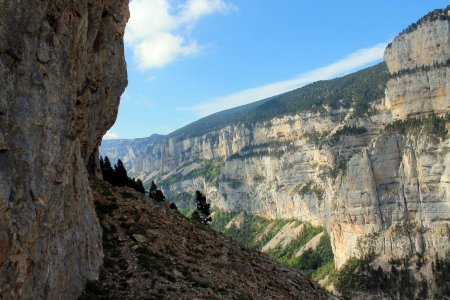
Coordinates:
<point>109,135</point>
<point>158,32</point>
<point>343,66</point>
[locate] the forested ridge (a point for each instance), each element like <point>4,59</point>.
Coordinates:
<point>355,90</point>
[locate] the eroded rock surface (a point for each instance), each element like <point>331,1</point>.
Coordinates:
<point>62,71</point>
<point>419,59</point>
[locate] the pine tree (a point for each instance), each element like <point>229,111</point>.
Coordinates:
<point>107,163</point>
<point>202,214</point>
<point>118,176</point>
<point>152,190</point>
<point>108,171</point>
<point>140,186</point>
<point>196,216</point>
<point>156,194</point>
<point>131,182</point>
<point>121,174</point>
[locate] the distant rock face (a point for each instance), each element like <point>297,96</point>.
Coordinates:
<point>425,46</point>
<point>420,62</point>
<point>62,71</point>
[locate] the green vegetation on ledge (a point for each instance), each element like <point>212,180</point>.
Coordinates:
<point>272,149</point>
<point>433,126</point>
<point>209,169</point>
<point>395,282</point>
<point>437,14</point>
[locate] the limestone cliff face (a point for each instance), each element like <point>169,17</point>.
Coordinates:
<point>62,71</point>
<point>376,191</point>
<point>393,200</point>
<point>419,59</point>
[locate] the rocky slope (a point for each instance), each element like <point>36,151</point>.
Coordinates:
<point>154,252</point>
<point>62,71</point>
<point>376,178</point>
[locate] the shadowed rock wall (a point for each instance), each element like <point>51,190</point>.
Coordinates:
<point>62,71</point>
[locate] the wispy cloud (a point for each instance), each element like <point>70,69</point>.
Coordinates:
<point>341,67</point>
<point>109,135</point>
<point>159,32</point>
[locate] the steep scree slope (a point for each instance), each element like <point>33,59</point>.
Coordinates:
<point>154,252</point>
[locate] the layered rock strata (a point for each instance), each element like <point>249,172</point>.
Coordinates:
<point>62,71</point>
<point>419,60</point>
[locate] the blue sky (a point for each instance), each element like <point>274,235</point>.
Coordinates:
<point>189,58</point>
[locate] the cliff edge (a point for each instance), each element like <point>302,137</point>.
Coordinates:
<point>419,61</point>
<point>62,71</point>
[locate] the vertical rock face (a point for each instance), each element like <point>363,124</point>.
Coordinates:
<point>419,60</point>
<point>422,45</point>
<point>62,71</point>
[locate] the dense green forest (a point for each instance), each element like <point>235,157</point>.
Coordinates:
<point>356,90</point>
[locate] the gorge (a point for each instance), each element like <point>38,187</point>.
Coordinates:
<point>355,168</point>
<point>366,156</point>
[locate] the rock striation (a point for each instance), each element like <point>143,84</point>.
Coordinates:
<point>419,60</point>
<point>62,71</point>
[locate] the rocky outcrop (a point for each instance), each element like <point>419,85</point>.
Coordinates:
<point>423,44</point>
<point>62,71</point>
<point>393,199</point>
<point>422,93</point>
<point>419,59</point>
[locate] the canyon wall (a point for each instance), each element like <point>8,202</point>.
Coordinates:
<point>62,71</point>
<point>378,181</point>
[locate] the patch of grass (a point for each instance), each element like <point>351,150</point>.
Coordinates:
<point>253,227</point>
<point>323,271</point>
<point>310,260</point>
<point>154,262</point>
<point>127,195</point>
<point>272,149</point>
<point>259,179</point>
<point>147,259</point>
